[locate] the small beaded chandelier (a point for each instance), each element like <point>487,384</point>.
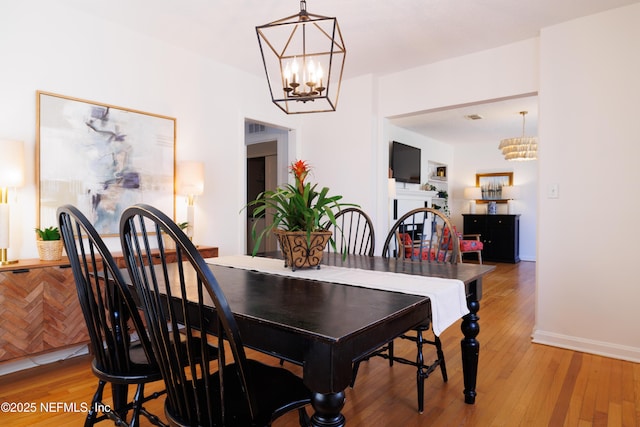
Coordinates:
<point>520,148</point>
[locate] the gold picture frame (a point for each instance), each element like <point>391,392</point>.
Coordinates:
<point>102,159</point>
<point>491,186</point>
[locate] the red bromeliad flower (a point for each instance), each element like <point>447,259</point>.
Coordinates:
<point>300,170</point>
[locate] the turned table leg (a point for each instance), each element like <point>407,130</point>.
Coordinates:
<point>328,409</point>
<point>470,348</point>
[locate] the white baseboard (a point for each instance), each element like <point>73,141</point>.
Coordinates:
<point>43,359</point>
<point>527,258</point>
<point>600,348</point>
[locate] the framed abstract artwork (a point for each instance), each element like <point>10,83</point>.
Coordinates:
<point>102,159</point>
<point>491,185</point>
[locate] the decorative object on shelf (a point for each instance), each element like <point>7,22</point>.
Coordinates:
<point>472,194</point>
<point>49,244</point>
<point>190,183</point>
<point>520,148</point>
<point>303,57</point>
<point>297,208</point>
<point>441,171</point>
<point>102,158</point>
<point>444,197</point>
<point>491,185</point>
<point>492,208</point>
<point>510,193</point>
<point>11,175</point>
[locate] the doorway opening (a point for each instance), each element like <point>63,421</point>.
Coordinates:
<point>266,167</point>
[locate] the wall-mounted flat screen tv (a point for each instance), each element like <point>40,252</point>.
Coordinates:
<point>405,163</point>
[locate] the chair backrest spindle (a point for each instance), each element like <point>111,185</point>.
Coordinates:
<point>169,298</point>
<point>354,233</point>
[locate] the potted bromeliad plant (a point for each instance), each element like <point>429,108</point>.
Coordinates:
<point>49,243</point>
<point>301,216</point>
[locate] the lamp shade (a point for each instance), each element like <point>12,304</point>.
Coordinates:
<point>11,163</point>
<point>472,193</point>
<point>190,178</point>
<point>510,192</point>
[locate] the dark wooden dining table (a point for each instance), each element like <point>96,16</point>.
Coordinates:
<point>325,326</point>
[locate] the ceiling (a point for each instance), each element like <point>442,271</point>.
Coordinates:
<point>497,120</point>
<point>381,37</point>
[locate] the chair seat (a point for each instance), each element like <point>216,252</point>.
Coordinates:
<point>280,392</point>
<point>138,370</point>
<point>425,254</point>
<point>471,245</point>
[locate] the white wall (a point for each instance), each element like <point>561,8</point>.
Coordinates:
<point>587,243</point>
<point>491,74</point>
<point>46,46</point>
<point>341,146</point>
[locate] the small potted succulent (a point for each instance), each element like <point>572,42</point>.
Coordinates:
<point>49,243</point>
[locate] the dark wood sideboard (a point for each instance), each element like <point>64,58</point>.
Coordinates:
<point>39,309</point>
<point>499,233</point>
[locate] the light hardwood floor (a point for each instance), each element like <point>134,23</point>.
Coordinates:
<point>519,383</point>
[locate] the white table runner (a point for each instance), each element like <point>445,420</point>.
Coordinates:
<point>448,298</point>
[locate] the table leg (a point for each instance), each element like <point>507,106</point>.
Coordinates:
<point>470,349</point>
<point>328,409</point>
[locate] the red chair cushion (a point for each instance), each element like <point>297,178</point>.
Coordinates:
<point>415,253</point>
<point>465,245</point>
<point>427,255</point>
<point>471,245</point>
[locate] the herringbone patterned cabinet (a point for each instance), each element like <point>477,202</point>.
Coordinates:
<point>39,309</point>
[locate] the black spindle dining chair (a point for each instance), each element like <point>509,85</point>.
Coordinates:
<point>421,235</point>
<point>353,233</point>
<point>243,393</point>
<point>121,349</point>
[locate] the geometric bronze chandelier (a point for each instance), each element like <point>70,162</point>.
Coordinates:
<point>520,148</point>
<point>303,58</point>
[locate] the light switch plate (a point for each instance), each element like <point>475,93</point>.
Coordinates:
<point>553,191</point>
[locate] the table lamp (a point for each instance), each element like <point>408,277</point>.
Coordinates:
<point>472,194</point>
<point>11,175</point>
<point>190,183</point>
<point>510,193</point>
